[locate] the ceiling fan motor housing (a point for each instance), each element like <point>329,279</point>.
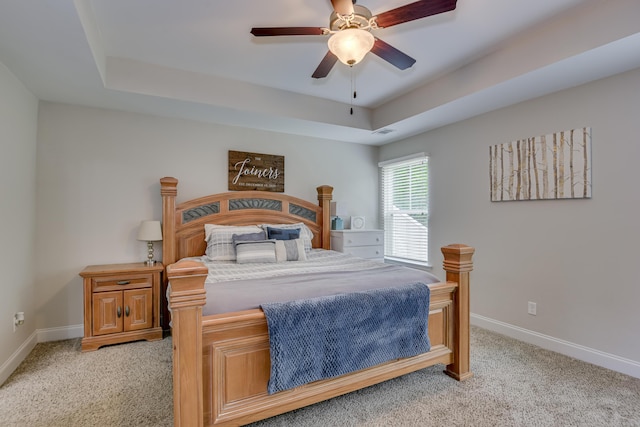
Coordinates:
<point>361,19</point>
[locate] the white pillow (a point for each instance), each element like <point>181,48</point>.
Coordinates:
<point>305,232</point>
<point>219,240</point>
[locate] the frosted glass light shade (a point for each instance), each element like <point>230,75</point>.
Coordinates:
<point>150,231</point>
<point>351,45</point>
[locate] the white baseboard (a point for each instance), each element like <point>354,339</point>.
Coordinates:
<point>40,335</point>
<point>17,357</point>
<point>586,354</point>
<point>61,333</point>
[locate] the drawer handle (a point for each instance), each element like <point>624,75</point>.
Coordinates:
<point>126,311</point>
<point>119,311</point>
<point>349,241</point>
<point>124,282</point>
<point>377,239</point>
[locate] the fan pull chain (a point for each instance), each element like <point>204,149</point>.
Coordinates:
<point>353,91</point>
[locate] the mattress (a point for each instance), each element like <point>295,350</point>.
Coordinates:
<point>233,287</point>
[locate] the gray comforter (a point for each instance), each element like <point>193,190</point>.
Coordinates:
<point>223,297</point>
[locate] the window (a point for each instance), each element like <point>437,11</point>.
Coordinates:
<point>404,185</point>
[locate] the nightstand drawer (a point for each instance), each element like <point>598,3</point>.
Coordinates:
<point>115,283</point>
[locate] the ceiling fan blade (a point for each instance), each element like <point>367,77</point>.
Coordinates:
<point>412,11</point>
<point>392,55</point>
<point>287,31</point>
<point>325,66</point>
<point>343,7</point>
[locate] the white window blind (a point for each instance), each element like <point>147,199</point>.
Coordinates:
<point>404,187</point>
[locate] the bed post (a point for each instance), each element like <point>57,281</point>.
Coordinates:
<point>458,264</point>
<point>168,191</point>
<point>186,298</point>
<point>325,194</point>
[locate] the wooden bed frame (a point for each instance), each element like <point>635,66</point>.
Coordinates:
<point>221,363</point>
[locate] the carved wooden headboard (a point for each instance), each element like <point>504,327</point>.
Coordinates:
<point>183,224</point>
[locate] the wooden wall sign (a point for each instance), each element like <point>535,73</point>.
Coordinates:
<point>253,171</point>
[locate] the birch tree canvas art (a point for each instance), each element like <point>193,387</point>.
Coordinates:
<point>554,166</point>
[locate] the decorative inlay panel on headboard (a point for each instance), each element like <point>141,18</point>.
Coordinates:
<point>302,212</point>
<point>200,211</point>
<point>241,204</point>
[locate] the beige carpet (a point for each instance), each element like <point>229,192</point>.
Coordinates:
<point>515,384</point>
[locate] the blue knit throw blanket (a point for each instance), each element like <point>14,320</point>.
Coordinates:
<point>329,336</point>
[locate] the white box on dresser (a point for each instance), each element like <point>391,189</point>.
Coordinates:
<point>361,243</point>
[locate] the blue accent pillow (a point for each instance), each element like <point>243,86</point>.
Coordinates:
<point>247,237</point>
<point>283,233</point>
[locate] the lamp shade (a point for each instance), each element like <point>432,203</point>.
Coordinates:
<point>150,231</point>
<point>351,45</point>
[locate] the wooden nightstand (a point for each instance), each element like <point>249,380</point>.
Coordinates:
<point>361,243</point>
<point>121,304</point>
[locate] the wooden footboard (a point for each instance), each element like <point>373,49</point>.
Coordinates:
<point>222,365</point>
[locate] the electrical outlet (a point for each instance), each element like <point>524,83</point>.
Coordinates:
<point>532,308</point>
<point>18,320</point>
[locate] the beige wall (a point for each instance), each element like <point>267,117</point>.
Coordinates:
<point>18,131</point>
<point>98,173</point>
<point>575,258</point>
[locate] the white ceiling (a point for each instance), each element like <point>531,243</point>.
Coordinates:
<point>196,59</point>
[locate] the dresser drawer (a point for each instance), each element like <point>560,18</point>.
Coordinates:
<point>361,243</point>
<point>365,238</point>
<point>126,281</point>
<point>365,251</point>
<point>345,239</point>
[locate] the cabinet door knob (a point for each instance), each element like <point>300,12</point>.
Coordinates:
<point>126,311</point>
<point>124,282</point>
<point>119,311</point>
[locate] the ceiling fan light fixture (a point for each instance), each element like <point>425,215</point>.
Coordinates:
<point>351,45</point>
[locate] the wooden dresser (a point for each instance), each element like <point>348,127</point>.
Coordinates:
<point>121,303</point>
<point>361,243</point>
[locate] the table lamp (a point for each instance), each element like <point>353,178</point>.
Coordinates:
<point>150,231</point>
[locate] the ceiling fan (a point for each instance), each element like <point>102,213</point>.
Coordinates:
<point>350,28</point>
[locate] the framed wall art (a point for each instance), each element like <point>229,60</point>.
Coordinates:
<point>554,166</point>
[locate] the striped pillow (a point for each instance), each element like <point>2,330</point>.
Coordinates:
<point>290,250</point>
<point>263,251</point>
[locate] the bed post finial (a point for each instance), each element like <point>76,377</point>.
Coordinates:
<point>458,265</point>
<point>325,194</point>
